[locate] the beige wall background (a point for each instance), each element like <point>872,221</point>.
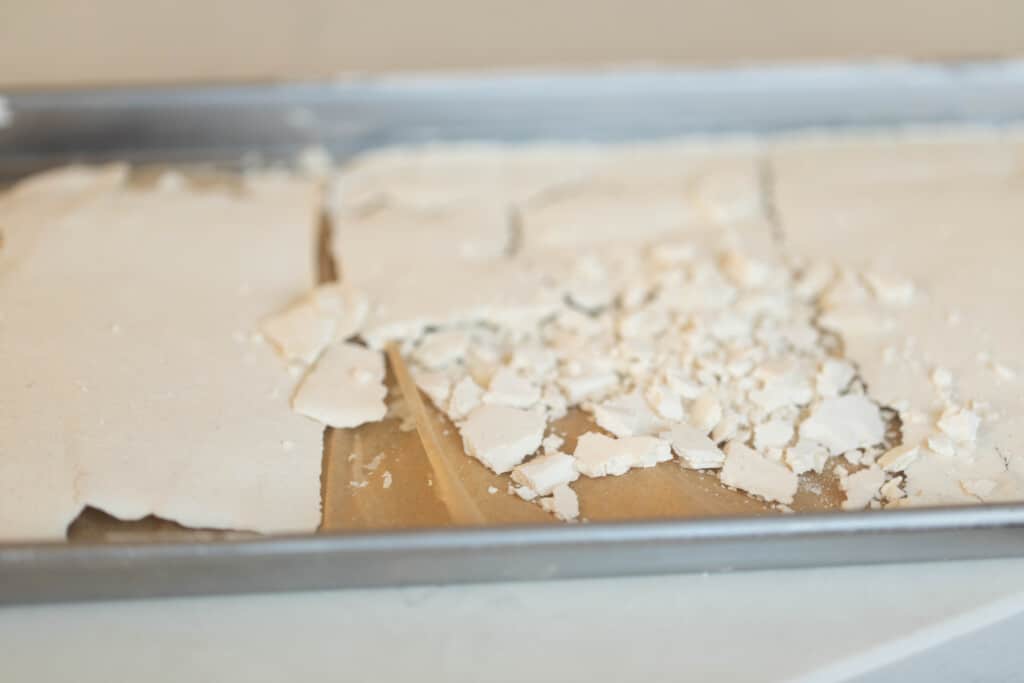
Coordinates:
<point>60,42</point>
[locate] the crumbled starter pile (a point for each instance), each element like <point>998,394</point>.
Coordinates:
<point>685,344</point>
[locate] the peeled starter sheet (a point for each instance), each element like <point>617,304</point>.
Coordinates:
<point>132,378</point>
<point>934,219</point>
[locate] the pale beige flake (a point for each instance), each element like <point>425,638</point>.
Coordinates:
<point>695,450</point>
<point>440,349</point>
<point>705,413</point>
<point>749,471</point>
<point>899,458</point>
<point>345,388</point>
<point>861,487</point>
<point>627,415</point>
<point>941,444</point>
<point>508,388</point>
<point>563,503</point>
<point>501,437</point>
<point>329,313</point>
<point>772,434</point>
<point>544,472</point>
<point>892,490</point>
<point>845,423</point>
<point>598,455</point>
<point>436,385</point>
<point>834,377</point>
<point>552,443</point>
<point>465,397</point>
<point>806,456</point>
<point>960,424</point>
<point>587,384</point>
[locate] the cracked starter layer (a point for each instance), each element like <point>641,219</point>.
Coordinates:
<point>725,313</point>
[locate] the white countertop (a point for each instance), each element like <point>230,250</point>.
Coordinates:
<point>810,625</point>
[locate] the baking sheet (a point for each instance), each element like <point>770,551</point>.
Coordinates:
<point>233,127</point>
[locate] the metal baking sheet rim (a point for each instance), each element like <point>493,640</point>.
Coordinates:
<point>49,572</point>
<point>220,124</point>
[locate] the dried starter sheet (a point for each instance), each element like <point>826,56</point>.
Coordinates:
<point>132,376</point>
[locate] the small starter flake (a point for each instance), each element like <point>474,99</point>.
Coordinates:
<point>833,377</point>
<point>501,436</point>
<point>806,456</point>
<point>861,487</point>
<point>941,444</point>
<point>466,395</point>
<point>563,503</point>
<point>960,424</point>
<point>772,434</point>
<point>627,415</point>
<point>544,472</point>
<point>749,471</point>
<point>892,490</point>
<point>705,413</point>
<point>508,388</point>
<point>330,313</point>
<point>552,443</point>
<point>694,448</point>
<point>345,388</point>
<point>844,424</point>
<point>438,350</point>
<point>598,455</point>
<point>899,458</point>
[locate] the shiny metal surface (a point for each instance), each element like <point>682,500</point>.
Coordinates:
<point>232,125</point>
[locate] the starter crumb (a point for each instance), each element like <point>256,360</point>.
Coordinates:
<point>844,424</point>
<point>501,436</point>
<point>695,450</point>
<point>598,455</point>
<point>627,415</point>
<point>345,388</point>
<point>772,434</point>
<point>386,479</point>
<point>509,388</point>
<point>552,443</point>
<point>899,458</point>
<point>806,456</point>
<point>861,487</point>
<point>466,396</point>
<point>705,413</point>
<point>746,470</point>
<point>544,472</point>
<point>834,377</point>
<point>563,503</point>
<point>941,444</point>
<point>960,424</point>
<point>891,490</point>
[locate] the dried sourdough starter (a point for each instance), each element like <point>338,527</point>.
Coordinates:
<point>131,377</point>
<point>724,304</point>
<point>934,224</point>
